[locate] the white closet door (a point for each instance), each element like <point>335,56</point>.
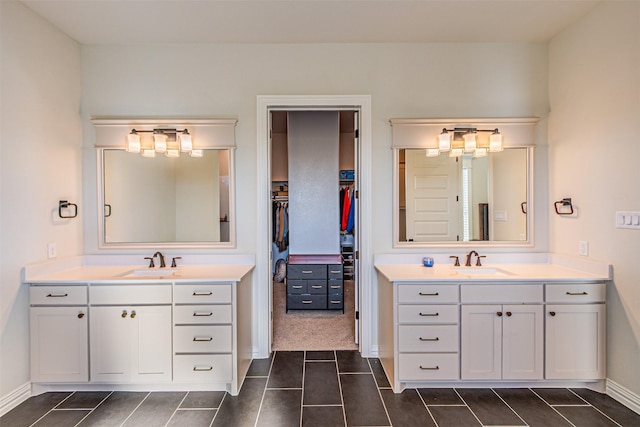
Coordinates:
<point>313,151</point>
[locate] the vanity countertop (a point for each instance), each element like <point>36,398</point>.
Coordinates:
<point>507,273</point>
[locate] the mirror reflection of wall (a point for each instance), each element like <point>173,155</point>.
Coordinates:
<point>445,199</point>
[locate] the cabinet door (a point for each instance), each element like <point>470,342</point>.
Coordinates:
<point>522,342</point>
<point>111,329</point>
<point>481,346</point>
<point>59,344</point>
<point>151,343</point>
<point>575,342</point>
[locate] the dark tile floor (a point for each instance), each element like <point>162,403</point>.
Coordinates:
<point>324,388</point>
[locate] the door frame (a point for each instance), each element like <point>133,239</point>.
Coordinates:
<point>262,337</point>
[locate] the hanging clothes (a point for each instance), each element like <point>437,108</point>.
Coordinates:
<point>345,209</point>
<point>351,216</point>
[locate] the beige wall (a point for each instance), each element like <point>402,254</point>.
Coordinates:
<point>594,82</point>
<point>40,134</point>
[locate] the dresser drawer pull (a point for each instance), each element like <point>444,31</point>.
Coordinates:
<point>57,295</point>
<point>202,369</point>
<point>429,314</point>
<point>430,339</point>
<point>435,368</point>
<point>307,271</point>
<point>426,294</point>
<point>336,302</point>
<point>577,293</point>
<point>316,286</point>
<point>335,286</point>
<point>202,314</point>
<point>202,339</point>
<point>297,286</point>
<point>307,302</point>
<point>202,294</point>
<point>335,271</point>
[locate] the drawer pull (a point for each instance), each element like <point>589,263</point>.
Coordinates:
<point>202,294</point>
<point>202,339</point>
<point>80,315</point>
<point>426,294</point>
<point>429,314</point>
<point>316,286</point>
<point>197,314</point>
<point>307,302</point>
<point>202,369</point>
<point>335,286</point>
<point>297,286</point>
<point>335,271</point>
<point>428,368</point>
<point>336,302</point>
<point>577,293</point>
<point>430,339</point>
<point>57,295</point>
<point>307,271</point>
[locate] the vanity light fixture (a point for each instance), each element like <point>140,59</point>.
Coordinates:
<point>171,142</point>
<point>458,141</point>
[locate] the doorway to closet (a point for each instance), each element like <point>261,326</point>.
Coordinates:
<point>314,229</point>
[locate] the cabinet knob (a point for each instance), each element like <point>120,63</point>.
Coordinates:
<point>499,314</point>
<point>509,313</point>
<point>124,313</point>
<point>80,315</point>
<point>133,314</point>
<point>552,313</point>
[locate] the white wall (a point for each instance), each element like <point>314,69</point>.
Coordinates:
<point>594,85</point>
<point>40,136</point>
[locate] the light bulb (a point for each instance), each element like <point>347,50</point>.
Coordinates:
<point>185,141</point>
<point>444,141</point>
<point>133,142</point>
<point>469,142</point>
<point>160,142</point>
<point>495,141</point>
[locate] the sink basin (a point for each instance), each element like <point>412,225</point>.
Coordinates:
<point>479,271</point>
<point>152,272</point>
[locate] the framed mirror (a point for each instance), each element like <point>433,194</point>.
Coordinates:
<point>446,200</point>
<point>166,202</point>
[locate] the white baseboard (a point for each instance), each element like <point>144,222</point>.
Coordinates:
<point>15,398</point>
<point>623,395</point>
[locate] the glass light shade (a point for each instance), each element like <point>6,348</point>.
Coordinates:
<point>469,142</point>
<point>148,152</point>
<point>495,142</point>
<point>433,152</point>
<point>196,153</point>
<point>480,152</point>
<point>133,143</point>
<point>456,152</point>
<point>444,141</point>
<point>160,142</point>
<point>172,152</point>
<point>185,142</point>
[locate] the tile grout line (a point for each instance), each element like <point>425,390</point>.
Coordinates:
<point>304,372</point>
<point>551,406</point>
<point>595,407</point>
<point>384,405</point>
<point>52,408</point>
<point>509,406</point>
<point>427,407</point>
<point>264,392</point>
<point>136,408</point>
<point>344,412</point>
<point>469,408</point>
<point>95,407</point>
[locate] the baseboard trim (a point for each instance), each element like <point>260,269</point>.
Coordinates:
<point>15,398</point>
<point>623,395</point>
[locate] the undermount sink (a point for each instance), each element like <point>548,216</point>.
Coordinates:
<point>152,272</point>
<point>479,271</point>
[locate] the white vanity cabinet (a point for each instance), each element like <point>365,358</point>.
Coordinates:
<point>130,333</point>
<point>575,332</point>
<point>502,332</point>
<point>59,333</point>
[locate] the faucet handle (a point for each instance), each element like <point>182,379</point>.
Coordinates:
<point>151,264</point>
<point>478,263</point>
<point>456,263</point>
<point>173,261</point>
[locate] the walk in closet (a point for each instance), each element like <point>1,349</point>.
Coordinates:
<point>314,229</point>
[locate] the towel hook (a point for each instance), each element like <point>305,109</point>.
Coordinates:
<point>64,204</point>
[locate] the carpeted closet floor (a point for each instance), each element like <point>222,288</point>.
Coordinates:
<point>313,329</point>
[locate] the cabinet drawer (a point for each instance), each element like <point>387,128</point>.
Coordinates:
<point>426,367</point>
<point>428,313</point>
<point>202,294</point>
<point>202,339</point>
<point>297,286</point>
<point>58,295</point>
<point>576,293</point>
<point>129,294</point>
<point>202,368</point>
<point>306,302</point>
<point>307,271</point>
<point>335,286</point>
<point>201,314</point>
<point>428,338</point>
<point>427,294</point>
<point>335,302</point>
<point>502,294</point>
<point>334,271</point>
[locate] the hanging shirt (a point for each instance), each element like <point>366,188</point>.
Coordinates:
<point>345,211</point>
<point>351,218</point>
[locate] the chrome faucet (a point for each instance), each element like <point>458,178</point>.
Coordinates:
<point>469,255</point>
<point>162,264</point>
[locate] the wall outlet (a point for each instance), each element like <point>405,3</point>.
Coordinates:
<point>52,250</point>
<point>584,248</point>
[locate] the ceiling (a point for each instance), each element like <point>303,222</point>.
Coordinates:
<point>310,21</point>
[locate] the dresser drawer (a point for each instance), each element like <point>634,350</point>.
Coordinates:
<point>202,368</point>
<point>502,294</point>
<point>433,313</point>
<point>306,286</point>
<point>202,294</point>
<point>58,295</point>
<point>306,302</point>
<point>129,294</point>
<point>428,294</point>
<point>202,339</point>
<point>335,302</point>
<point>428,367</point>
<point>201,314</point>
<point>576,293</point>
<point>428,338</point>
<point>307,271</point>
<point>334,271</point>
<point>335,287</point>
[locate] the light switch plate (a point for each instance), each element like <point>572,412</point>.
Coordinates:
<point>628,219</point>
<point>584,248</point>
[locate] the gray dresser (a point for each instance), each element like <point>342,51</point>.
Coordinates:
<point>315,282</point>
